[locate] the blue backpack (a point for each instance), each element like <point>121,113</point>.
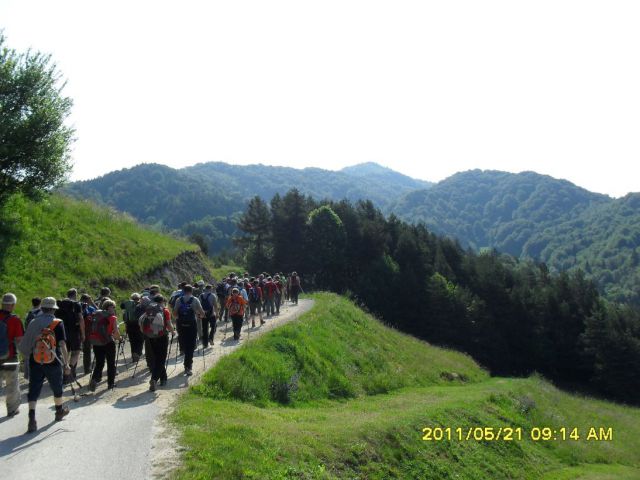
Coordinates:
<point>186,315</point>
<point>4,338</point>
<point>254,295</point>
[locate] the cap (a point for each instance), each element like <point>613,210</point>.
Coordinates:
<point>9,299</point>
<point>135,296</point>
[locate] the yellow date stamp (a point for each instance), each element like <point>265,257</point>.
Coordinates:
<point>511,434</point>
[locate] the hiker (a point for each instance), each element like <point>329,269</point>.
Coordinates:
<point>186,310</point>
<point>33,313</point>
<point>154,324</point>
<point>235,305</point>
<point>176,294</point>
<point>197,291</point>
<point>44,344</point>
<point>209,301</point>
<point>102,335</point>
<point>221,294</point>
<point>130,314</point>
<point>278,294</point>
<point>105,294</point>
<point>11,333</point>
<point>255,300</point>
<point>88,307</point>
<point>70,312</point>
<point>269,293</point>
<point>294,287</point>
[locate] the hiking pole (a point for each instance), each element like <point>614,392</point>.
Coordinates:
<point>166,363</point>
<point>136,367</point>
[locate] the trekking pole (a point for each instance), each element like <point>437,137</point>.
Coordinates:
<point>136,367</point>
<point>166,363</point>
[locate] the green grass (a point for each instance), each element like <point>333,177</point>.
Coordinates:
<point>52,245</point>
<point>220,272</point>
<point>371,435</point>
<point>335,352</point>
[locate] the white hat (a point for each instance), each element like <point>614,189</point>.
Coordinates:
<point>9,299</point>
<point>48,302</point>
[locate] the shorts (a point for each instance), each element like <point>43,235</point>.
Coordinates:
<point>73,340</point>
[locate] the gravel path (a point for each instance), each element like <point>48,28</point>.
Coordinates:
<point>121,434</point>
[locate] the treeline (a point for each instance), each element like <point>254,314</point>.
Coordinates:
<point>513,316</point>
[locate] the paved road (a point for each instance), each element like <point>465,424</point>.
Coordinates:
<point>107,435</point>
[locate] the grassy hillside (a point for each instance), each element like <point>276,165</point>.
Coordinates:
<point>374,433</point>
<point>52,245</point>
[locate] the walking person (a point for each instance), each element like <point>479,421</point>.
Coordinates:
<point>70,312</point>
<point>103,334</point>
<point>295,287</point>
<point>33,313</point>
<point>44,344</point>
<point>209,301</point>
<point>255,300</point>
<point>11,333</point>
<point>187,309</point>
<point>136,339</point>
<point>235,304</point>
<point>155,325</point>
<point>278,293</point>
<point>88,307</point>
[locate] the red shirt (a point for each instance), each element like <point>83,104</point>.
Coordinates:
<point>14,330</point>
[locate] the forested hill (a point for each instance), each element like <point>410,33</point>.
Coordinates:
<point>205,199</point>
<point>537,216</point>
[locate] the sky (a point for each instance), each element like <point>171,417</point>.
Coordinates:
<point>425,88</point>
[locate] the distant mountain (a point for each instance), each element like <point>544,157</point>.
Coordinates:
<point>536,216</point>
<point>205,199</point>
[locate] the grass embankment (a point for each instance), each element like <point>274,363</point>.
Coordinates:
<point>52,245</point>
<point>337,395</point>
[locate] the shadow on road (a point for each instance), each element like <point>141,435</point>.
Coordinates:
<point>15,445</point>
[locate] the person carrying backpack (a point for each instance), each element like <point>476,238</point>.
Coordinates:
<point>186,310</point>
<point>235,305</point>
<point>88,307</point>
<point>130,315</point>
<point>102,335</point>
<point>294,287</point>
<point>255,300</point>
<point>70,312</point>
<point>270,296</point>
<point>278,294</point>
<point>154,324</point>
<point>44,344</point>
<point>33,313</point>
<point>11,333</point>
<point>209,301</point>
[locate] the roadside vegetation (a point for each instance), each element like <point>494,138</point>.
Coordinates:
<point>337,395</point>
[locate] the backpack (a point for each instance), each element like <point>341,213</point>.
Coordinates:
<point>186,315</point>
<point>44,350</point>
<point>129,308</point>
<point>207,305</point>
<point>254,295</point>
<point>220,289</point>
<point>174,297</point>
<point>67,314</point>
<point>235,307</point>
<point>98,326</point>
<point>4,338</point>
<point>153,321</point>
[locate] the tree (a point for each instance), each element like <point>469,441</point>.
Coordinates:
<point>327,243</point>
<point>256,223</point>
<point>34,142</point>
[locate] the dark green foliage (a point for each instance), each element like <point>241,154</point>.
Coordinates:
<point>535,216</point>
<point>34,142</point>
<point>512,315</point>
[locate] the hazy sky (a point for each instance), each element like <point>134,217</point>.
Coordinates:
<point>426,88</point>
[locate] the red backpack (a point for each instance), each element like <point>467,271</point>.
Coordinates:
<point>99,328</point>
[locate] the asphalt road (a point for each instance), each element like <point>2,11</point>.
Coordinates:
<point>108,434</point>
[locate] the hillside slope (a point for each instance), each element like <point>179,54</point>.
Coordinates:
<point>58,243</point>
<point>536,216</point>
<point>235,424</point>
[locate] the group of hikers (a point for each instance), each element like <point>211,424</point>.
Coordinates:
<point>56,332</point>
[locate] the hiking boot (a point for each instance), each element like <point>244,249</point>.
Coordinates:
<point>32,426</point>
<point>253,324</point>
<point>135,357</point>
<point>261,322</point>
<point>61,412</point>
<point>188,372</point>
<point>163,382</point>
<point>13,413</point>
<point>152,385</point>
<point>92,385</point>
<point>111,386</point>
